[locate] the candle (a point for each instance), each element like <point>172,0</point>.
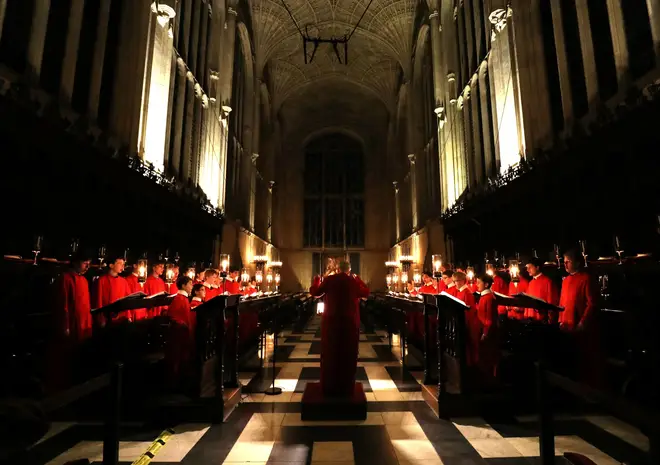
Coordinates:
<point>618,244</point>
<point>583,246</point>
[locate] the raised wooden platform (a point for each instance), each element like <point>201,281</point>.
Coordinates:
<point>317,407</point>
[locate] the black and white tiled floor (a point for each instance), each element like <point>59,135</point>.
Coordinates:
<point>400,428</point>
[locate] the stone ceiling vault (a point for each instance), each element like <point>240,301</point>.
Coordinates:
<point>379,49</point>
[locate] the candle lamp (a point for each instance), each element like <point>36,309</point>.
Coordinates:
<point>75,244</point>
<point>619,250</point>
<point>101,255</point>
<point>36,248</point>
<point>142,269</point>
<point>417,280</point>
<point>191,272</point>
<point>557,255</point>
<point>437,265</point>
<point>583,247</point>
<point>388,280</point>
<point>490,269</point>
<point>224,263</point>
<point>177,257</point>
<point>395,281</point>
<point>259,278</point>
<point>404,277</point>
<point>277,282</point>
<point>469,272</point>
<point>514,271</point>
<point>245,277</point>
<point>269,279</point>
<point>169,273</point>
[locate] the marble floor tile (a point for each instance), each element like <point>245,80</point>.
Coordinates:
<point>332,451</point>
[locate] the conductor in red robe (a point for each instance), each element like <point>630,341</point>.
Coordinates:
<point>579,320</point>
<point>340,328</point>
<point>542,287</point>
<point>489,339</point>
<point>72,322</point>
<point>180,336</point>
<point>155,285</point>
<point>111,287</point>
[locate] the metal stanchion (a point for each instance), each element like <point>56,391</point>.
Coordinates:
<point>111,437</point>
<point>272,390</point>
<point>547,433</point>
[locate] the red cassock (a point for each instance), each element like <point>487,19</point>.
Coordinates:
<point>134,286</point>
<point>472,287</point>
<point>516,313</point>
<point>154,285</point>
<point>579,318</point>
<point>451,290</point>
<point>211,291</point>
<point>489,347</point>
<point>109,289</point>
<point>316,282</point>
<point>441,286</point>
<point>73,325</point>
<point>499,286</point>
<point>179,337</point>
<point>472,324</point>
<point>172,289</point>
<point>195,302</point>
<point>542,287</point>
<point>340,332</point>
<point>232,287</point>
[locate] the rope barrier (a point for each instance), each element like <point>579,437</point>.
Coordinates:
<point>155,446</point>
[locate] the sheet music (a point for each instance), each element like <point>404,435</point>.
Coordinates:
<point>502,296</point>
<point>522,294</point>
<point>455,299</point>
<point>153,295</point>
<point>135,295</point>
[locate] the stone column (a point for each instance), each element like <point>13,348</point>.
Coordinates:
<point>179,115</point>
<point>619,43</point>
<point>186,173</point>
<point>71,51</point>
<point>413,192</point>
<point>3,8</point>
<point>228,55</point>
<point>562,64</point>
<point>654,17</point>
<point>436,53</point>
<point>99,57</point>
<point>588,56</point>
<point>194,38</point>
<point>269,218</point>
<point>184,45</point>
<point>252,199</point>
<point>37,39</point>
<point>201,65</point>
<point>196,141</point>
<point>397,211</point>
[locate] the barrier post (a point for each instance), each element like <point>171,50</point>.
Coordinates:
<point>111,437</point>
<point>547,433</point>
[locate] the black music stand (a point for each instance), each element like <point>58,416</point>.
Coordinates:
<point>273,390</point>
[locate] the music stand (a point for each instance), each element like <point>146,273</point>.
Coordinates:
<point>273,390</point>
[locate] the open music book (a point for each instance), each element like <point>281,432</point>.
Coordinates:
<point>502,296</point>
<point>453,299</point>
<point>135,295</point>
<point>527,296</point>
<point>154,295</point>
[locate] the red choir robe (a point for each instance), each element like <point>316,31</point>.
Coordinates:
<point>340,332</point>
<point>489,339</point>
<point>211,291</point>
<point>154,285</point>
<point>472,287</point>
<point>172,289</point>
<point>110,289</point>
<point>516,313</point>
<point>232,286</point>
<point>73,325</point>
<point>543,288</point>
<point>441,286</point>
<point>195,302</point>
<point>499,286</point>
<point>134,286</point>
<point>471,323</point>
<point>580,319</point>
<point>451,289</point>
<point>178,350</point>
<point>316,282</point>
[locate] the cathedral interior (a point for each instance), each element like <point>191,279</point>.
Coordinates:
<point>252,143</point>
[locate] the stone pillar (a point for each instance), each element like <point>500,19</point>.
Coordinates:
<point>179,115</point>
<point>436,53</point>
<point>619,43</point>
<point>413,192</point>
<point>252,199</point>
<point>654,17</point>
<point>588,56</point>
<point>397,211</point>
<point>99,58</point>
<point>37,40</point>
<point>562,64</point>
<point>201,65</point>
<point>269,217</point>
<point>184,45</point>
<point>442,120</point>
<point>186,173</point>
<point>194,39</point>
<point>3,8</point>
<point>71,51</point>
<point>228,45</point>
<point>196,142</point>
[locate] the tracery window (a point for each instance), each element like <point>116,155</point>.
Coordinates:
<point>334,193</point>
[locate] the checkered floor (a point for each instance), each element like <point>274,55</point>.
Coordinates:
<point>400,428</point>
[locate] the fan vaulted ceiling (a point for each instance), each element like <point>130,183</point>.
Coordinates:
<point>376,51</point>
